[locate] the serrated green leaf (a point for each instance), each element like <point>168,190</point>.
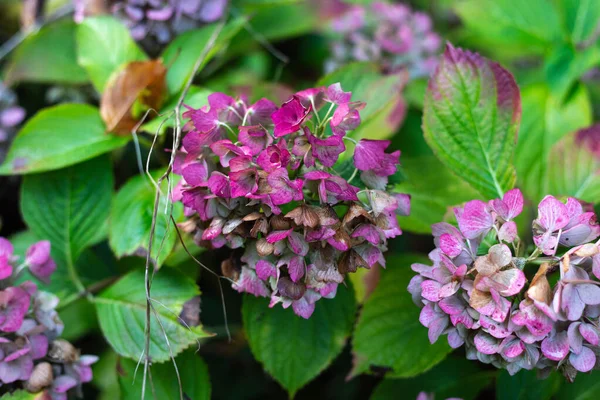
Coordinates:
<point>388,332</point>
<point>434,191</point>
<point>574,170</point>
<point>526,386</point>
<point>470,119</point>
<point>103,46</point>
<point>545,122</point>
<point>193,372</point>
<point>58,137</point>
<point>292,349</point>
<point>453,378</point>
<point>585,387</point>
<point>131,220</point>
<point>69,207</point>
<point>122,315</point>
<point>367,84</point>
<point>183,52</point>
<point>47,56</point>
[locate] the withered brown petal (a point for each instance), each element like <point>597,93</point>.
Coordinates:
<point>280,223</point>
<point>142,81</point>
<point>287,288</point>
<point>304,215</point>
<point>264,248</point>
<point>230,269</point>
<point>540,289</point>
<point>355,211</point>
<point>479,299</point>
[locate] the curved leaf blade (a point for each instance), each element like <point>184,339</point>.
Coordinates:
<point>471,117</point>
<point>388,332</point>
<point>58,137</point>
<point>122,315</point>
<point>295,350</point>
<point>69,207</point>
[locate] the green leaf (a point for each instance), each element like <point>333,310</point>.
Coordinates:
<point>434,191</point>
<point>131,220</point>
<point>526,386</point>
<point>574,170</point>
<point>471,118</point>
<point>183,52</point>
<point>69,207</point>
<point>103,46</point>
<point>19,395</point>
<point>58,137</point>
<point>388,332</point>
<point>196,98</point>
<point>453,378</point>
<point>292,349</point>
<point>580,18</point>
<point>79,319</point>
<point>47,56</point>
<point>566,65</point>
<point>193,373</point>
<point>517,27</point>
<point>122,314</point>
<point>367,84</point>
<point>585,387</point>
<point>545,121</point>
<point>105,376</point>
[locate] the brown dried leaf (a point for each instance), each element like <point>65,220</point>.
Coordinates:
<point>540,289</point>
<point>479,299</point>
<point>139,81</point>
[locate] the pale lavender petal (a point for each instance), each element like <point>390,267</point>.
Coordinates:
<point>556,347</point>
<point>584,361</point>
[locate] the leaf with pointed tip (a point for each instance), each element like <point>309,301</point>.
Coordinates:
<point>295,350</point>
<point>574,165</point>
<point>131,220</point>
<point>471,117</point>
<point>58,137</point>
<point>193,373</point>
<point>122,315</point>
<point>388,332</point>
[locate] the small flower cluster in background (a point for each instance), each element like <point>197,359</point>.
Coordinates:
<point>32,356</point>
<point>279,182</point>
<point>11,115</point>
<point>157,22</point>
<point>477,292</point>
<point>391,35</point>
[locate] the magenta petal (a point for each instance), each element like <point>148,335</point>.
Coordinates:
<point>303,308</point>
<point>276,236</point>
<point>298,244</point>
<point>296,267</point>
<point>486,344</point>
<point>289,117</point>
<point>450,245</point>
<point>475,220</point>
<point>39,346</point>
<point>6,248</point>
<point>512,347</point>
<point>336,95</point>
<point>368,232</point>
<point>556,347</point>
<point>6,269</point>
<point>219,185</point>
<point>508,232</point>
<point>64,383</point>
<point>265,269</point>
<point>584,361</point>
<point>552,214</point>
<point>430,290</point>
<point>589,333</point>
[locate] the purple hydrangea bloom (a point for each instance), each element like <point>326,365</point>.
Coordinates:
<point>479,296</point>
<point>234,190</point>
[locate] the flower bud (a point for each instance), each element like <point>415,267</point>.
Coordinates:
<point>264,248</point>
<point>63,351</point>
<point>41,377</point>
<point>289,289</point>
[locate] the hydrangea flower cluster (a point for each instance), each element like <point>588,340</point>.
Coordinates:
<point>477,292</point>
<point>272,180</point>
<point>11,115</point>
<point>32,356</point>
<point>156,22</point>
<point>391,35</point>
